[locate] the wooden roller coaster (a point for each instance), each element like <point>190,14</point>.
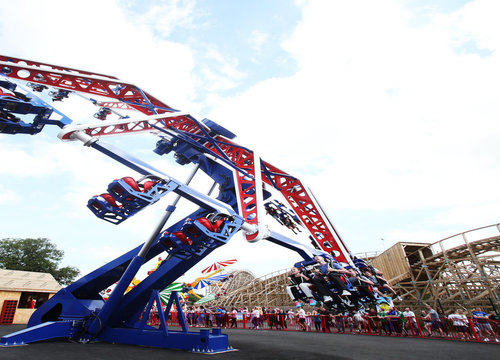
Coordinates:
<point>460,271</point>
<point>244,289</point>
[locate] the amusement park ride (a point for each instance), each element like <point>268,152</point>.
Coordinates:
<point>78,312</point>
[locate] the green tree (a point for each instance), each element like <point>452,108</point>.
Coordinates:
<point>39,255</point>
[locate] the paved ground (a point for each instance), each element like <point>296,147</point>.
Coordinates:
<point>262,344</point>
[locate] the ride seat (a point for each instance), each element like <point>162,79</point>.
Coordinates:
<point>148,185</point>
<point>110,200</point>
<point>166,241</point>
<point>131,182</point>
<point>119,190</point>
<point>182,237</point>
<point>96,205</point>
<point>212,227</point>
<point>206,223</point>
<point>218,224</point>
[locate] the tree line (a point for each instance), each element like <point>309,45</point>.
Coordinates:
<point>37,255</point>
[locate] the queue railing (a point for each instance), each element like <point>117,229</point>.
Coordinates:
<point>398,326</point>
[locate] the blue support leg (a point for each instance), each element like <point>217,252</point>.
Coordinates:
<point>110,305</point>
<point>180,313</point>
<point>45,331</point>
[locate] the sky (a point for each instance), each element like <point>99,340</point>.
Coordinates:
<point>387,110</point>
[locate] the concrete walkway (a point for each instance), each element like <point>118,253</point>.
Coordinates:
<point>262,344</point>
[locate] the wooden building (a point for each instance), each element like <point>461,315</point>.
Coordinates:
<point>21,292</point>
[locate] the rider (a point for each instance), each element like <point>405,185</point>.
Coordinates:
<point>333,270</point>
<point>380,283</point>
<point>298,280</point>
<point>362,283</point>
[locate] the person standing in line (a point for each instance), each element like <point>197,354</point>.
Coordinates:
<point>201,317</point>
<point>411,321</point>
<point>339,322</point>
<point>459,323</point>
<point>317,320</point>
<point>282,319</point>
<point>290,317</point>
<point>262,316</point>
<point>481,320</point>
<point>255,319</point>
<point>301,315</point>
<point>309,321</point>
<point>435,320</point>
<point>234,314</point>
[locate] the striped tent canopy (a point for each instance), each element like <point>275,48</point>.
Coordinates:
<point>165,294</point>
<point>217,278</point>
<point>205,299</point>
<point>218,265</point>
<point>202,283</point>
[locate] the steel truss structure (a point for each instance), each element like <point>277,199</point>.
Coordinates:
<point>184,132</point>
<point>78,312</point>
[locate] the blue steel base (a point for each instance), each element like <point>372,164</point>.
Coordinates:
<point>45,331</point>
<point>199,342</point>
<point>202,341</point>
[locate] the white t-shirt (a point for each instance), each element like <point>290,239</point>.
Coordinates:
<point>458,320</point>
<point>301,314</point>
<point>408,314</point>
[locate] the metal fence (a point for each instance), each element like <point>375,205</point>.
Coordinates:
<point>397,326</point>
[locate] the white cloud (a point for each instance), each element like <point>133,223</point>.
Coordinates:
<point>470,216</point>
<point>7,195</point>
<point>478,20</point>
<point>168,16</point>
<point>383,113</point>
<point>259,38</point>
<point>221,72</point>
<point>114,45</point>
<point>404,121</point>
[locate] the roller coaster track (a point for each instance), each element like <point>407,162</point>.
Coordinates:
<point>268,291</point>
<point>464,275</point>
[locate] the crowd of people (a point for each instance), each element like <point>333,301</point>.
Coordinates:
<point>339,287</point>
<point>355,299</point>
<point>342,298</point>
<point>478,326</point>
<point>200,316</point>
